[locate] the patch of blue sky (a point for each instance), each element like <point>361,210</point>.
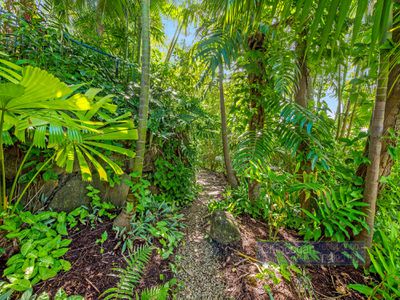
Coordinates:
<point>188,37</point>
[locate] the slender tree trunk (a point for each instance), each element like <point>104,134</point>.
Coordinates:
<point>173,42</point>
<point>144,89</point>
<point>123,220</point>
<point>375,146</point>
<point>224,131</point>
<point>392,112</point>
<point>346,115</point>
<point>340,89</point>
<point>352,118</point>
<point>339,106</point>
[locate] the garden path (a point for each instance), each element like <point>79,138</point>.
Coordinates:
<point>198,266</point>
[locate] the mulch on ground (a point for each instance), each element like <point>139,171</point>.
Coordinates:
<point>327,282</point>
<point>91,272</point>
<point>89,275</point>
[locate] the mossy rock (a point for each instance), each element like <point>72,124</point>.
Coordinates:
<point>72,193</point>
<point>70,196</point>
<point>224,229</point>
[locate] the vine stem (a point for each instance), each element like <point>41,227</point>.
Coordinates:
<point>3,169</point>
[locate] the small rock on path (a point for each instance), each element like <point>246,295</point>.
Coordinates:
<point>198,267</point>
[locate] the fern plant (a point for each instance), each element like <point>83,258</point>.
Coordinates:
<point>385,264</point>
<point>130,276</point>
<point>154,293</point>
<point>338,212</point>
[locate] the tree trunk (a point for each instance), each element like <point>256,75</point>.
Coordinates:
<point>123,220</point>
<point>392,111</point>
<point>353,113</point>
<point>375,146</point>
<point>346,115</point>
<point>303,88</point>
<point>301,97</point>
<point>224,132</point>
<point>256,82</point>
<point>173,42</point>
<point>392,114</point>
<point>340,89</point>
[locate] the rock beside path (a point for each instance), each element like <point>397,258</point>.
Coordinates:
<point>224,228</point>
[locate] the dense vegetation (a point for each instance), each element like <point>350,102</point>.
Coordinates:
<point>106,119</point>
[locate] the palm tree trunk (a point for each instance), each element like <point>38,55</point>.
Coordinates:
<point>144,89</point>
<point>340,89</point>
<point>392,112</point>
<point>123,220</point>
<point>346,115</point>
<point>173,42</point>
<point>224,131</point>
<point>353,113</point>
<point>375,146</point>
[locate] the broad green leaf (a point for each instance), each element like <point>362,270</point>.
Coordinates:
<point>99,168</point>
<point>328,24</point>
<point>344,8</point>
<point>124,151</point>
<point>21,285</point>
<point>112,164</point>
<point>363,289</point>
<point>83,165</point>
<point>361,8</point>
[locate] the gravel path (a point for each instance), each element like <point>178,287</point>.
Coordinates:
<point>198,267</point>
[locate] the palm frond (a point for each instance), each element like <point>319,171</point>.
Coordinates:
<point>217,47</point>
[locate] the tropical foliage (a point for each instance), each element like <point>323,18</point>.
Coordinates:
<point>296,101</point>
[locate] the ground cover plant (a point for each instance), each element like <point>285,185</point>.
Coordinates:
<point>159,149</point>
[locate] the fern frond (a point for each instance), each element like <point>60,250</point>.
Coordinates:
<point>253,148</point>
<point>154,293</point>
<point>130,276</point>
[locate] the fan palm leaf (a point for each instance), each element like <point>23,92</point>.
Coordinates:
<point>79,127</point>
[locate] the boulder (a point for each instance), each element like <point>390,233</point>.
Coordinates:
<point>224,228</point>
<point>70,195</point>
<point>13,158</point>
